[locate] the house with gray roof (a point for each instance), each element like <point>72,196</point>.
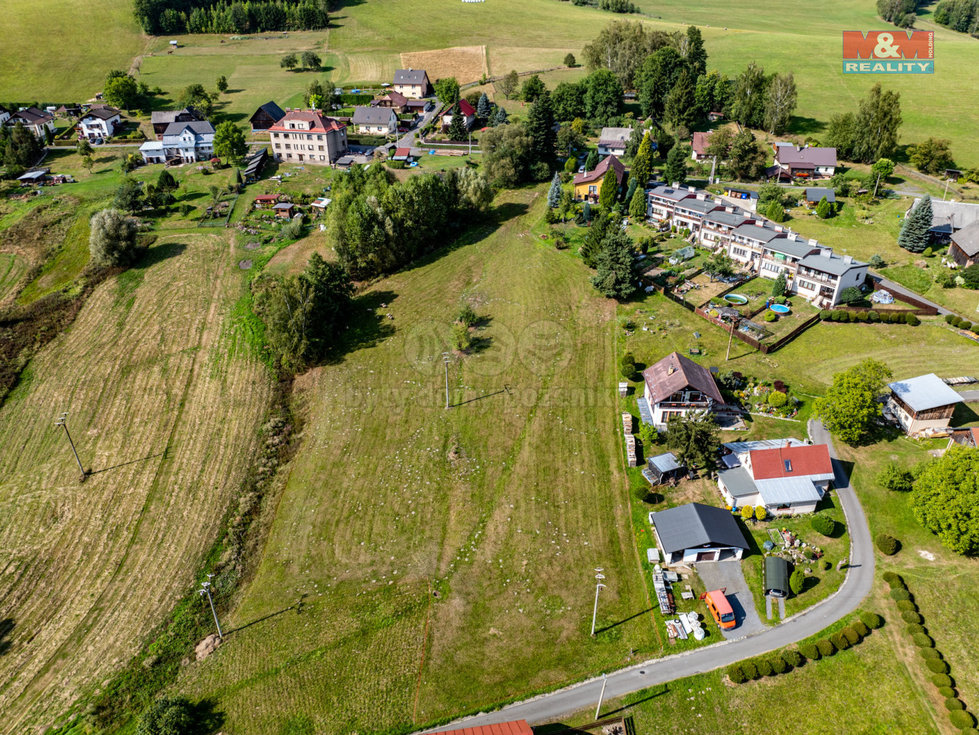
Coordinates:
<point>412,83</point>
<point>948,217</point>
<point>661,200</point>
<point>964,246</point>
<point>696,533</point>
<point>718,226</point>
<point>375,120</point>
<point>815,194</point>
<point>185,142</point>
<point>161,119</point>
<point>612,141</point>
<point>923,403</point>
<point>689,212</point>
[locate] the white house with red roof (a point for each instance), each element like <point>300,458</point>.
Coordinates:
<point>465,109</point>
<point>676,386</point>
<point>785,476</point>
<point>308,136</point>
<point>698,146</point>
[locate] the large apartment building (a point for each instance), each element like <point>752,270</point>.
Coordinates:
<point>308,136</point>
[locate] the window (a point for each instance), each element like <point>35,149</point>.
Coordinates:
<point>275,135</point>
<point>288,146</point>
<point>319,137</point>
<point>807,286</point>
<point>592,189</point>
<point>788,465</point>
<point>321,148</point>
<point>289,156</point>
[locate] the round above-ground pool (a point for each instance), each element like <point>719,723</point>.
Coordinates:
<point>736,298</point>
<point>780,308</point>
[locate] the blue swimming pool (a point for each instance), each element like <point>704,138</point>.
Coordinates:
<point>736,298</point>
<point>780,308</point>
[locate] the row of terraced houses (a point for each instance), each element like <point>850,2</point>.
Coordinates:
<point>758,245</point>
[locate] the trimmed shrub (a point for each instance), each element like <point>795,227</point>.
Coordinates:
<point>873,316</point>
<point>895,478</point>
<point>861,628</point>
<point>779,665</point>
<point>764,667</point>
<point>797,580</point>
<point>941,680</point>
<point>850,633</point>
<point>950,318</point>
<point>840,641</point>
<point>827,648</point>
<point>823,524</point>
<point>871,619</point>
<point>887,544</point>
<point>863,317</point>
<point>793,657</point>
<point>936,666</point>
<point>923,640</point>
<point>915,628</point>
<point>961,718</point>
<point>824,315</point>
<point>903,605</point>
<point>736,674</point>
<point>946,692</point>
<point>911,320</point>
<point>952,704</point>
<point>900,594</point>
<point>929,653</point>
<point>750,670</point>
<point>909,616</point>
<point>893,579</point>
<point>810,651</point>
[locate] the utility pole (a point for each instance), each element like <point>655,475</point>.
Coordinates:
<point>730,339</point>
<point>445,361</point>
<point>206,590</point>
<point>601,696</point>
<point>598,586</point>
<point>63,423</point>
<point>946,189</point>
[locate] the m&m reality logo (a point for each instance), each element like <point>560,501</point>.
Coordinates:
<point>888,52</point>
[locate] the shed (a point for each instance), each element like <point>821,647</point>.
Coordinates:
<point>284,209</point>
<point>34,177</point>
<point>263,201</point>
<point>924,402</point>
<point>814,194</point>
<point>684,253</point>
<point>663,468</point>
<point>776,581</point>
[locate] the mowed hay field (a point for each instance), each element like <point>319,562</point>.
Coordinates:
<point>502,506</point>
<point>60,50</point>
<point>164,413</point>
<point>466,64</point>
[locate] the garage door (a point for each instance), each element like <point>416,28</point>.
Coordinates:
<point>707,556</point>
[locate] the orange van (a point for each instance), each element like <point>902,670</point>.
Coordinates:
<point>720,608</point>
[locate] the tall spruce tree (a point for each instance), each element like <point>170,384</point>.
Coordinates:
<point>483,107</point>
<point>616,275</point>
<point>914,235</point>
<point>540,128</point>
<point>610,190</point>
<point>637,205</point>
<point>675,170</point>
<point>554,193</point>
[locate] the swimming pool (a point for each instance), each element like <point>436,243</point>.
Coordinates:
<point>736,298</point>
<point>780,308</point>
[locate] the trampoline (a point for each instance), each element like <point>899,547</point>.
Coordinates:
<point>736,298</point>
<point>780,308</point>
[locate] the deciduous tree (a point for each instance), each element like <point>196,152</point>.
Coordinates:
<point>603,96</point>
<point>289,61</point>
<point>780,102</point>
<point>945,499</point>
<point>508,84</point>
<point>311,60</point>
<point>746,160</point>
<point>229,142</point>
<point>850,408</point>
<point>222,83</point>
<point>447,90</point>
<point>533,87</point>
<point>112,240</point>
<point>932,155</point>
<point>876,125</point>
<point>748,103</point>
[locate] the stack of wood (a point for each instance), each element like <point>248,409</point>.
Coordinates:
<point>630,439</point>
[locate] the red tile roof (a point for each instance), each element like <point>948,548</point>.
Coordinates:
<point>516,727</point>
<point>599,172</point>
<point>674,373</point>
<point>320,122</point>
<point>804,461</point>
<point>700,142</point>
<point>466,109</point>
<point>402,152</point>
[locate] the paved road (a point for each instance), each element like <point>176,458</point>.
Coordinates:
<point>856,586</point>
<point>969,395</point>
<point>898,288</point>
<point>727,575</point>
<point>408,139</point>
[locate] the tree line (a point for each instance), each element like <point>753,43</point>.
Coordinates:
<point>379,224</point>
<point>959,15</point>
<point>170,17</point>
<point>19,149</point>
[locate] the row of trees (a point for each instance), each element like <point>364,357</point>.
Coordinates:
<point>240,16</point>
<point>19,149</point>
<point>901,13</point>
<point>380,224</point>
<point>959,15</point>
<point>597,97</point>
<point>307,60</point>
<point>759,100</point>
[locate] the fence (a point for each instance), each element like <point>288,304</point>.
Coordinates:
<point>206,221</point>
<point>762,347</point>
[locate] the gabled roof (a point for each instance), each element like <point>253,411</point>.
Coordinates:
<point>165,117</point>
<point>676,372</point>
<point>665,462</point>
<point>813,156</point>
<point>826,261</point>
<point>614,137</point>
<point>373,116</point>
<point>700,142</point>
<point>695,525</point>
<point>792,461</point>
<point>102,113</point>
<point>957,215</point>
<point>32,116</point>
<point>758,232</point>
<point>968,239</point>
<point>410,76</point>
<point>816,193</point>
<point>703,206</point>
<point>272,110</point>
<point>316,121</point>
<point>731,219</point>
<point>396,97</point>
<point>924,392</point>
<point>670,193</point>
<point>599,171</point>
<point>197,127</point>
<point>466,109</point>
<point>788,246</point>
<point>515,727</point>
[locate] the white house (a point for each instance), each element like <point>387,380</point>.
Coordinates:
<point>467,112</point>
<point>375,120</point>
<point>612,141</point>
<point>812,162</point>
<point>412,83</point>
<point>784,476</point>
<point>696,533</point>
<point>675,386</point>
<point>186,142</point>
<point>34,119</point>
<point>4,114</point>
<point>100,122</point>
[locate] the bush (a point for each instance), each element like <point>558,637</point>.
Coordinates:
<point>929,653</point>
<point>797,580</point>
<point>826,647</point>
<point>903,605</point>
<point>922,640</point>
<point>770,316</point>
<point>764,667</point>
<point>909,616</point>
<point>888,545</point>
<point>862,630</point>
<point>961,718</point>
<point>913,628</point>
<point>840,641</point>
<point>851,634</point>
<point>873,316</point>
<point>793,657</point>
<point>810,651</point>
<point>952,704</point>
<point>750,670</point>
<point>936,666</point>
<point>761,513</point>
<point>871,619</point>
<point>736,674</point>
<point>947,692</point>
<point>900,594</point>
<point>893,580</point>
<point>823,524</point>
<point>941,680</point>
<point>965,730</point>
<point>896,479</point>
<point>779,665</point>
<point>911,320</point>
<point>950,318</point>
<point>825,314</point>
<point>777,399</point>
<point>862,316</point>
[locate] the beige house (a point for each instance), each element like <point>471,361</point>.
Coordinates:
<point>375,120</point>
<point>412,83</point>
<point>922,403</point>
<point>308,136</point>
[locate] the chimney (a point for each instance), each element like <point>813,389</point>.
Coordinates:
<point>778,228</point>
<point>675,184</point>
<point>793,237</point>
<point>826,252</point>
<point>848,259</point>
<point>701,196</point>
<point>729,210</point>
<point>691,189</point>
<point>813,241</point>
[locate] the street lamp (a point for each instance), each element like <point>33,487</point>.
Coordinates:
<point>598,587</point>
<point>206,590</point>
<point>63,423</point>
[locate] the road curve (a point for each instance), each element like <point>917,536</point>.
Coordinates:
<point>856,586</point>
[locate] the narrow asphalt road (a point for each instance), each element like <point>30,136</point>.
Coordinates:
<point>969,395</point>
<point>859,579</point>
<point>408,139</point>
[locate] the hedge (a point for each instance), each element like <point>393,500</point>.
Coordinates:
<point>894,580</point>
<point>941,680</point>
<point>840,641</point>
<point>750,670</point>
<point>910,616</point>
<point>851,634</point>
<point>887,544</point>
<point>793,657</point>
<point>936,666</point>
<point>900,594</point>
<point>810,651</point>
<point>871,619</point>
<point>862,630</point>
<point>961,718</point>
<point>827,648</point>
<point>779,665</point>
<point>952,704</point>
<point>905,605</point>
<point>922,640</point>
<point>947,692</point>
<point>764,667</point>
<point>736,674</point>
<point>352,100</point>
<point>929,653</point>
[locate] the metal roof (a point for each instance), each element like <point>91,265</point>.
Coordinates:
<point>795,248</point>
<point>373,116</point>
<point>815,193</point>
<point>732,219</point>
<point>665,462</point>
<point>757,232</point>
<point>752,446</point>
<point>832,263</point>
<point>409,76</point>
<point>787,490</point>
<point>695,525</point>
<point>738,482</point>
<point>924,392</point>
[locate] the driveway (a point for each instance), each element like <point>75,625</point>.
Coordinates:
<point>727,575</point>
<point>859,580</point>
<point>899,289</point>
<point>408,139</point>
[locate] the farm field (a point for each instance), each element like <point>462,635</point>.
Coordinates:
<point>163,411</point>
<point>393,499</point>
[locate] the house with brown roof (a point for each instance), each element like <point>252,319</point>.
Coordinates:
<point>412,83</point>
<point>676,386</point>
<point>34,119</point>
<point>161,119</point>
<point>588,185</point>
<point>308,136</point>
<point>699,145</point>
<point>395,100</point>
<point>964,246</point>
<point>266,116</point>
<point>809,162</point>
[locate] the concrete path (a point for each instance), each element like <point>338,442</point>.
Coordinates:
<point>969,395</point>
<point>727,575</point>
<point>859,579</point>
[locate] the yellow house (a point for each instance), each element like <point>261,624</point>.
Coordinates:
<point>588,186</point>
